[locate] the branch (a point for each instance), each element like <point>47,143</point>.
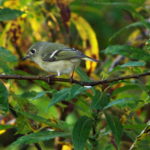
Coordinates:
<point>82,83</point>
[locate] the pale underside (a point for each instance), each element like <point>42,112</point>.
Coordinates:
<point>59,67</point>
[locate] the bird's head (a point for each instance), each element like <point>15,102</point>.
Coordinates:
<point>34,50</point>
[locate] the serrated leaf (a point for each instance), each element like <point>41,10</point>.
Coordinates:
<point>36,137</point>
<point>81,132</point>
<point>115,126</point>
<point>3,97</point>
<point>100,100</point>
<point>9,14</point>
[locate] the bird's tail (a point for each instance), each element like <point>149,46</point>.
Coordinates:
<point>90,59</point>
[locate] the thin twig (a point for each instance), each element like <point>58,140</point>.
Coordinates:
<point>83,83</point>
<point>141,136</point>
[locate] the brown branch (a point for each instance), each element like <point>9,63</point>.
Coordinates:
<point>83,83</point>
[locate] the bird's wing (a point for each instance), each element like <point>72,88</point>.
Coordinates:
<point>63,54</point>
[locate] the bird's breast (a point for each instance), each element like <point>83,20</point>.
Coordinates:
<point>62,66</point>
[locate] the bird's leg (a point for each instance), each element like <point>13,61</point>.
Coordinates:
<point>72,74</point>
<point>58,73</point>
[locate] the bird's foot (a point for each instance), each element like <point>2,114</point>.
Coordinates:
<point>50,78</point>
<point>71,79</point>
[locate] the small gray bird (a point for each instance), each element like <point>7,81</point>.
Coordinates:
<point>55,57</point>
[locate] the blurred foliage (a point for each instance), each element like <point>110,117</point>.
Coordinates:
<point>64,116</point>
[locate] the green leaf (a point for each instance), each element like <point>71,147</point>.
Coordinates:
<point>1,2</point>
<point>42,120</point>
<point>5,67</point>
<point>81,132</point>
<point>7,59</point>
<point>5,127</point>
<point>76,90</point>
<point>133,64</point>
<point>67,94</point>
<point>36,137</point>
<point>115,126</point>
<point>7,56</point>
<point>82,74</point>
<point>100,100</point>
<point>120,102</point>
<point>40,94</point>
<point>3,97</point>
<point>128,51</point>
<point>9,14</point>
<point>127,88</point>
<point>59,96</point>
<point>137,2</point>
<point>142,23</point>
<point>28,94</point>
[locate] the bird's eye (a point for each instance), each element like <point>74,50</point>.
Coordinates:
<point>33,51</point>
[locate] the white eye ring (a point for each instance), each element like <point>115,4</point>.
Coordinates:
<point>32,51</point>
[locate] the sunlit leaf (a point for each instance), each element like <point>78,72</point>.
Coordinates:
<point>88,36</point>
<point>9,14</point>
<point>81,132</point>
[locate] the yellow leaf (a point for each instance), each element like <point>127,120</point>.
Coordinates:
<point>2,131</point>
<point>89,40</point>
<point>135,38</point>
<point>11,4</point>
<point>66,147</point>
<point>35,23</point>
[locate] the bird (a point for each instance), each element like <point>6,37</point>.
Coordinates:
<point>55,57</point>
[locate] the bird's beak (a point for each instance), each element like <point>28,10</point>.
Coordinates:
<point>26,57</point>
